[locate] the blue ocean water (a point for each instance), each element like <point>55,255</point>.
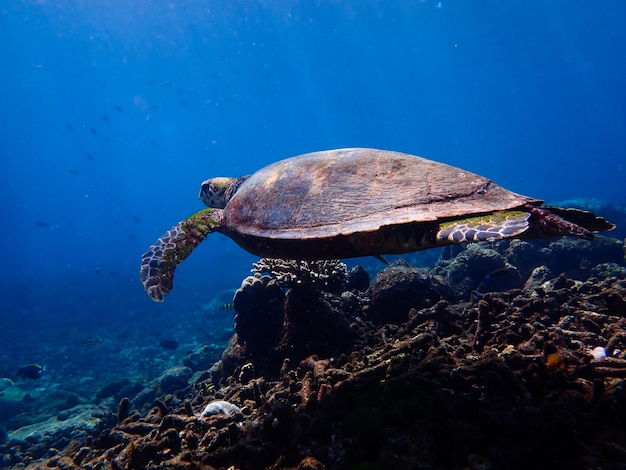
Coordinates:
<point>113,113</point>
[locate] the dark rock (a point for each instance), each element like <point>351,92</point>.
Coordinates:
<point>537,278</point>
<point>398,288</point>
<point>478,267</point>
<point>112,389</point>
<point>201,358</point>
<point>175,378</point>
<point>358,279</point>
<point>130,390</point>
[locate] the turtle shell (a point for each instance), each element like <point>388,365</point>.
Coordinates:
<point>348,191</point>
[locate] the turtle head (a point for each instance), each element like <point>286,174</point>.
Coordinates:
<point>216,192</point>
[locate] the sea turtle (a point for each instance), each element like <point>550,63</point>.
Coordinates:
<point>356,202</point>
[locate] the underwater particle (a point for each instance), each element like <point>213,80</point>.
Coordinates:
<point>136,218</point>
<point>90,157</point>
<point>31,371</point>
<point>117,108</point>
<point>43,225</point>
<point>598,353</point>
<point>168,344</point>
<point>220,407</point>
<point>105,118</point>
<point>74,171</point>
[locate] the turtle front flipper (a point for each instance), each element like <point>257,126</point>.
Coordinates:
<point>160,260</point>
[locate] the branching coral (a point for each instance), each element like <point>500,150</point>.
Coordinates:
<point>327,275</point>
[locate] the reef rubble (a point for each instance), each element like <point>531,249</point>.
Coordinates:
<point>504,355</point>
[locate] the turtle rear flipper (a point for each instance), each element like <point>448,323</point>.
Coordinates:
<point>160,260</point>
<point>558,222</point>
<point>583,218</point>
<point>483,228</point>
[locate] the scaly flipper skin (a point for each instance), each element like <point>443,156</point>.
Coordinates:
<point>483,228</point>
<point>160,260</point>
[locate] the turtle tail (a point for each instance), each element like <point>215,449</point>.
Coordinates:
<point>160,260</point>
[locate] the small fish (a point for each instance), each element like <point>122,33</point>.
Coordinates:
<point>105,118</point>
<point>136,218</point>
<point>43,225</point>
<point>94,131</point>
<point>117,108</point>
<point>500,272</point>
<point>31,371</point>
<point>227,307</point>
<point>69,127</point>
<point>90,157</point>
<point>74,171</point>
<point>93,341</point>
<point>168,344</point>
<point>153,142</point>
<point>98,270</point>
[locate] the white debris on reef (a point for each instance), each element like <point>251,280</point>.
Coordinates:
<point>598,353</point>
<point>218,407</point>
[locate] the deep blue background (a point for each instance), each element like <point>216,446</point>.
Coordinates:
<point>114,111</point>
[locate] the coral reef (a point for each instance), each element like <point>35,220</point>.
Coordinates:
<point>285,309</point>
<point>465,376</point>
<point>326,275</point>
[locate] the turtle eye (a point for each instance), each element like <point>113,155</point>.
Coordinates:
<point>206,194</point>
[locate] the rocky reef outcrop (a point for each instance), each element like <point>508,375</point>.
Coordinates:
<point>505,355</point>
